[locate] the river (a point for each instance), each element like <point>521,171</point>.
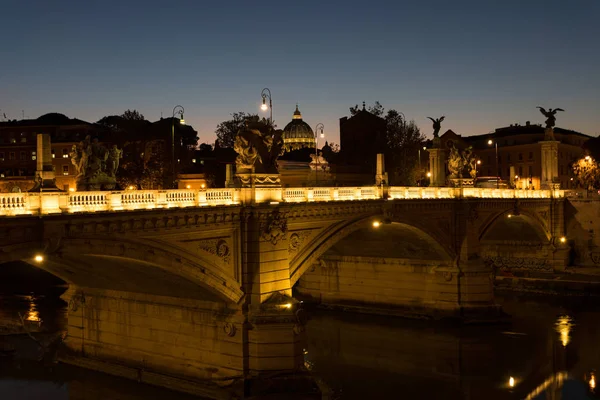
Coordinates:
<point>550,346</point>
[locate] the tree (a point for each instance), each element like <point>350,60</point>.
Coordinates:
<point>376,109</point>
<point>132,115</point>
<point>205,147</point>
<point>227,130</point>
<point>403,143</point>
<point>586,173</point>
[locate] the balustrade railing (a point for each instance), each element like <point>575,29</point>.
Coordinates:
<point>73,202</point>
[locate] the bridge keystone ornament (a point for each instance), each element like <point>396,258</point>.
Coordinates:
<point>274,228</point>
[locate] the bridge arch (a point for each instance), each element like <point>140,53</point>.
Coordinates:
<point>508,225</point>
<point>131,265</point>
<point>342,230</point>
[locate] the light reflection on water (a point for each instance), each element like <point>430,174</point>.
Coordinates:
<point>564,324</point>
<point>360,356</point>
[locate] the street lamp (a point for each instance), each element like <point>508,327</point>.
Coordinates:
<point>420,169</point>
<point>490,142</point>
<point>320,127</point>
<point>476,164</point>
<point>266,93</point>
<point>176,110</point>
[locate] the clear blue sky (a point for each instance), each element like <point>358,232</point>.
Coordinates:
<point>482,63</point>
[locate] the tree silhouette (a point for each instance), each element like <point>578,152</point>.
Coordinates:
<point>227,130</point>
<point>376,109</point>
<point>133,115</point>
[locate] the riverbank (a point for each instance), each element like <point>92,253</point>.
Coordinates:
<point>575,281</point>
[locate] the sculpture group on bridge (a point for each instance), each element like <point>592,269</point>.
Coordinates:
<point>459,161</point>
<point>258,147</point>
<point>96,165</point>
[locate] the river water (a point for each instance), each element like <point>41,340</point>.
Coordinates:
<point>548,350</point>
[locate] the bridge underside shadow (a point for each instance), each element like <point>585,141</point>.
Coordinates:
<point>131,318</point>
<point>518,245</point>
<point>392,268</point>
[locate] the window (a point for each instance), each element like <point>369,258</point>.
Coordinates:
<point>13,140</point>
<point>508,171</point>
<point>530,170</point>
<point>65,170</point>
<point>23,140</point>
<point>53,155</point>
<point>489,159</point>
<point>499,159</point>
<point>560,170</point>
<point>1,156</point>
<point>520,156</point>
<point>65,153</point>
<point>531,155</point>
<point>520,170</point>
<point>508,157</point>
<point>22,156</point>
<point>33,156</point>
<point>11,155</point>
<point>489,171</point>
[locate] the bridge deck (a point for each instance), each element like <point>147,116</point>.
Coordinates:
<point>89,202</point>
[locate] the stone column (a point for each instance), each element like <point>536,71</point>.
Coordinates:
<point>549,150</point>
<point>437,165</point>
<point>274,332</point>
<point>44,174</point>
<point>381,177</point>
<point>475,279</point>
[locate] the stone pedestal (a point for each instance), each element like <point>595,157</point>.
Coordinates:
<point>381,178</point>
<point>437,167</point>
<point>45,179</point>
<point>549,150</point>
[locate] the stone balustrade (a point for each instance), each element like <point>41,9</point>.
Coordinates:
<point>74,202</point>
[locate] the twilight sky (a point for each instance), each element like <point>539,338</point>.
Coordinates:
<point>483,64</point>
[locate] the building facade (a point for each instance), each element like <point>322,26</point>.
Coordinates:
<point>362,137</point>
<point>18,147</point>
<point>519,153</point>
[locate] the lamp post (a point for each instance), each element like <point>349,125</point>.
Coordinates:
<point>476,164</point>
<point>420,169</point>
<point>176,110</point>
<point>266,93</point>
<point>321,127</point>
<point>490,142</point>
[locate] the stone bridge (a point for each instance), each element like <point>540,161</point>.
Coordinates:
<point>201,290</point>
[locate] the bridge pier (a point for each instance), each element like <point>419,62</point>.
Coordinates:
<point>187,345</point>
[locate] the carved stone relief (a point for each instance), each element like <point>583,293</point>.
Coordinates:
<point>274,227</point>
<point>217,247</point>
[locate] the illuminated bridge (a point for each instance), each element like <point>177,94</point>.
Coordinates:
<point>180,287</point>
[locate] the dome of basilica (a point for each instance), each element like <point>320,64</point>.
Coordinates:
<point>298,134</point>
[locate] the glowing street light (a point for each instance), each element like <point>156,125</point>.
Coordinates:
<point>491,142</point>
<point>376,224</point>
<point>511,382</point>
<point>176,110</point>
<point>39,258</point>
<point>320,127</point>
<point>266,93</point>
<point>420,169</point>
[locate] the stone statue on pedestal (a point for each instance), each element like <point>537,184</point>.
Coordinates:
<point>437,125</point>
<point>550,116</point>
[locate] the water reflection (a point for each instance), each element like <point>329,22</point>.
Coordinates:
<point>592,381</point>
<point>554,383</point>
<point>563,326</point>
